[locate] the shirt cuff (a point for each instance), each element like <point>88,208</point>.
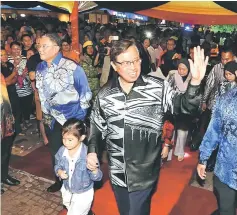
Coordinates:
<point>203,162</point>
<point>193,90</point>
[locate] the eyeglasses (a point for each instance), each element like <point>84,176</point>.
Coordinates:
<point>129,63</point>
<point>44,46</point>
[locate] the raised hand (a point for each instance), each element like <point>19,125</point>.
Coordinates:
<point>198,67</point>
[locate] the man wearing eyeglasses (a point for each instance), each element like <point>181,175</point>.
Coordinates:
<point>63,90</point>
<point>129,112</point>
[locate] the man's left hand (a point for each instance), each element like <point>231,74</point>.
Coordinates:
<point>198,67</point>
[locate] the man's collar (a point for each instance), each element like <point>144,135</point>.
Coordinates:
<point>55,60</point>
<point>138,82</point>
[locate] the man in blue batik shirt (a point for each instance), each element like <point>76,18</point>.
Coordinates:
<point>222,131</point>
<point>63,90</point>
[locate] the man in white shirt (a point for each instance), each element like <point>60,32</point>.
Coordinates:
<point>151,49</point>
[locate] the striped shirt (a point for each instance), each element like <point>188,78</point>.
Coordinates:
<point>11,59</point>
<point>26,89</point>
<point>214,79</point>
<point>132,124</point>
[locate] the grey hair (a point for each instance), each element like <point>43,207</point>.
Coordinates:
<point>120,46</point>
<point>54,38</point>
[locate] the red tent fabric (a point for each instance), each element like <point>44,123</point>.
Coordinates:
<point>206,12</point>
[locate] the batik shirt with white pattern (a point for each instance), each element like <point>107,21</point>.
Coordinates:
<point>63,89</point>
<point>222,132</point>
<point>134,118</point>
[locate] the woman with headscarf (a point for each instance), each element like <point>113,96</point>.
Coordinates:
<point>89,63</point>
<point>180,79</point>
<point>230,76</point>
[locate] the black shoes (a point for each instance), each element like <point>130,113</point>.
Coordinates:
<point>11,181</point>
<point>54,187</point>
<point>2,190</point>
<point>90,213</point>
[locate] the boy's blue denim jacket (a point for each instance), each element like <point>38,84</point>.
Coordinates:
<point>82,178</point>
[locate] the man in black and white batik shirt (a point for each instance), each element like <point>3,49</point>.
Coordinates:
<point>129,112</point>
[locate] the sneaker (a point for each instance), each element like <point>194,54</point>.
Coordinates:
<point>32,116</point>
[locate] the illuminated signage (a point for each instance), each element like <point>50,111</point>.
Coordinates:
<point>126,15</point>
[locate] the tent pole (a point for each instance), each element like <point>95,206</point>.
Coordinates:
<point>75,27</point>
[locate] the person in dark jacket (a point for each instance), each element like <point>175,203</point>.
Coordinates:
<point>129,112</point>
<point>169,58</point>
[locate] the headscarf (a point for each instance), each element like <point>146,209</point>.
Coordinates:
<point>186,63</point>
<point>231,67</point>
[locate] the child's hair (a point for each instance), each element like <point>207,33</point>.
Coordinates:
<point>75,127</point>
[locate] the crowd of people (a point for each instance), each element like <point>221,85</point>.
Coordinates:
<point>127,97</point>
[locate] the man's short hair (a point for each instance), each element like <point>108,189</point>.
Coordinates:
<point>118,47</point>
<point>192,46</point>
<point>67,40</point>
<point>54,38</point>
<point>228,49</point>
<point>15,43</point>
<point>25,35</point>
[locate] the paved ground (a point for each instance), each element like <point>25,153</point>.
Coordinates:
<point>30,197</point>
<point>207,184</point>
<point>24,145</point>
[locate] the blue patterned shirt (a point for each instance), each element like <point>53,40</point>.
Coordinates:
<point>222,131</point>
<point>63,89</point>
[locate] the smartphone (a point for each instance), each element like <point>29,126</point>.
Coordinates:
<point>113,38</point>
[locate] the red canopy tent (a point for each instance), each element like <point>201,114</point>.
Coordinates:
<point>195,12</point>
